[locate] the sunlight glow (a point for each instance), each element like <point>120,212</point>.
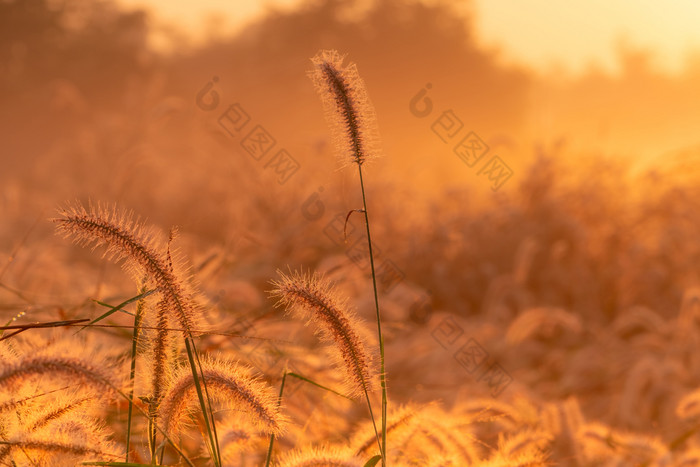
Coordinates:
<point>571,36</point>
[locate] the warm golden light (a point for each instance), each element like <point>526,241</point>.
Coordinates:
<point>374,232</point>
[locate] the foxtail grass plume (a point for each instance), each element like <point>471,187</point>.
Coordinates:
<point>442,431</point>
<point>527,441</point>
<point>226,382</point>
<point>596,440</point>
<point>600,442</point>
<point>72,369</point>
<point>49,413</point>
<point>400,425</point>
<point>312,297</point>
<point>159,357</point>
<point>52,452</point>
<point>327,456</point>
<point>126,239</point>
<point>57,444</point>
<point>543,322</point>
<point>235,438</point>
<point>348,109</point>
<point>520,460</point>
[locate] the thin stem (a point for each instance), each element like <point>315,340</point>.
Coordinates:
<point>208,414</point>
<point>211,409</point>
<point>152,432</point>
<point>374,423</point>
<point>148,416</point>
<point>382,375</point>
<point>272,436</point>
<point>134,345</point>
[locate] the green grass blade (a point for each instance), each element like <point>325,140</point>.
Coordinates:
<point>114,309</point>
<point>318,385</point>
<point>373,461</point>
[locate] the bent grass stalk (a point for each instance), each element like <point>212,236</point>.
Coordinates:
<point>126,239</point>
<point>311,297</point>
<point>351,116</point>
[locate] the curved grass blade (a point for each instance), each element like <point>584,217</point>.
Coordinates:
<point>114,309</point>
<point>318,385</point>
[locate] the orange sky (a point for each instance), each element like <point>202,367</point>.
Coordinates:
<point>572,35</point>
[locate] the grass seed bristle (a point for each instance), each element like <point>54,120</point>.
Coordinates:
<point>312,298</point>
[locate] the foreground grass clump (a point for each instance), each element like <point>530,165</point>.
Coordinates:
<point>173,388</point>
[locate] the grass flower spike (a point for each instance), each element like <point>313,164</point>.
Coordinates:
<point>229,383</point>
<point>311,297</point>
<point>348,109</point>
<point>126,238</point>
<point>68,368</point>
<point>326,456</point>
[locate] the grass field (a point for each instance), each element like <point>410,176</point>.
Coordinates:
<point>197,269</point>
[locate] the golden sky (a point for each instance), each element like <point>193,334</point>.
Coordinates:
<point>579,33</point>
<point>572,35</point>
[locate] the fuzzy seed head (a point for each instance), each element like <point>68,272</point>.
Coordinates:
<point>229,383</point>
<point>401,424</point>
<point>64,368</point>
<point>126,239</point>
<point>348,109</point>
<point>328,456</point>
<point>312,298</point>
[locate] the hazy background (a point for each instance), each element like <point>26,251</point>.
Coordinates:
<point>99,101</point>
<point>115,83</point>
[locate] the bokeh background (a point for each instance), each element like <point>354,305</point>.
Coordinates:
<point>573,272</point>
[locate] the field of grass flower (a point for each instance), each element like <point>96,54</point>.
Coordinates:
<point>197,269</point>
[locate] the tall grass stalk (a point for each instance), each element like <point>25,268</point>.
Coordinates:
<point>312,297</point>
<point>351,116</point>
<point>382,371</point>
